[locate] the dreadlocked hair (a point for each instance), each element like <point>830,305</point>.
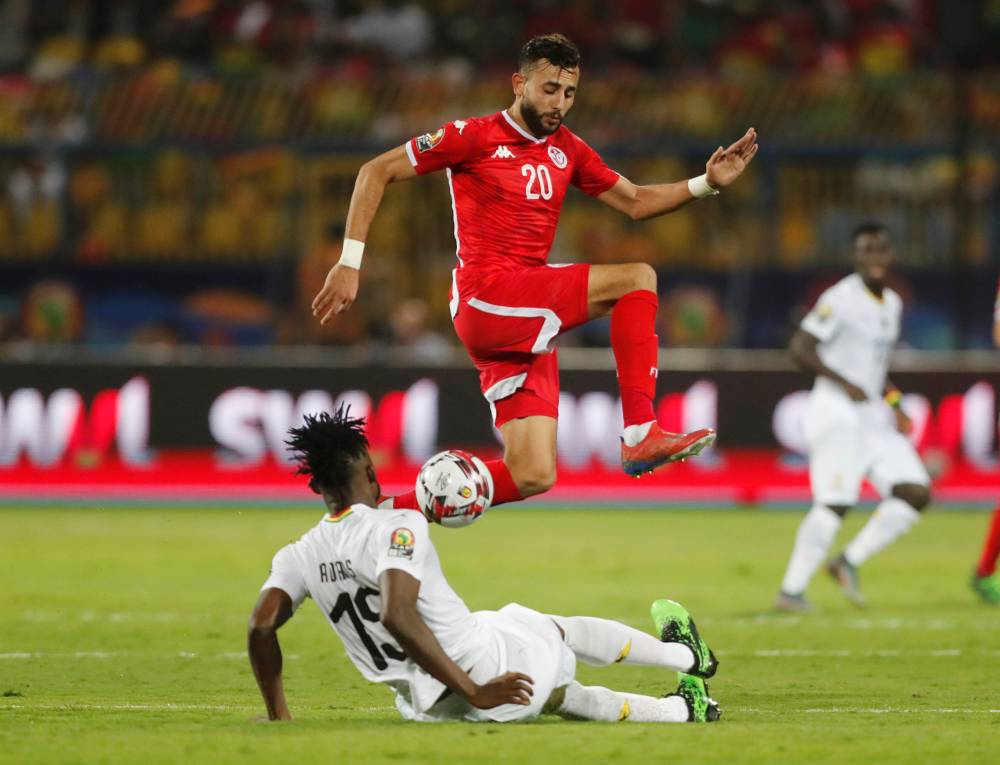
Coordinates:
<point>325,445</point>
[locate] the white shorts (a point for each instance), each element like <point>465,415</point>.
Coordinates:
<point>849,442</point>
<point>523,641</point>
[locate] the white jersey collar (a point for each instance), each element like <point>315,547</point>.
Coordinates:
<point>519,129</point>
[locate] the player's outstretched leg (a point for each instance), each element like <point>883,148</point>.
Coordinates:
<point>504,489</point>
<point>674,625</point>
<point>602,642</point>
<point>984,579</point>
<point>628,293</point>
<point>689,703</point>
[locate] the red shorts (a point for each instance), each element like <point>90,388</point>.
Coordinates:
<point>508,322</point>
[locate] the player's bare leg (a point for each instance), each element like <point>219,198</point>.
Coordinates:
<point>627,293</point>
<point>530,453</point>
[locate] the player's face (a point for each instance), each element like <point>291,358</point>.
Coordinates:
<point>873,256</point>
<point>547,93</point>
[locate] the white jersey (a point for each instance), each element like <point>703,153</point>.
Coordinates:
<point>856,332</point>
<point>338,562</point>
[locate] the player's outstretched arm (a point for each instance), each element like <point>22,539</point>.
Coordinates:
<point>806,357</point>
<point>723,167</point>
<point>399,615</point>
<point>341,286</point>
<point>274,608</point>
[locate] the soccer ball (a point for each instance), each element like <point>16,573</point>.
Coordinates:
<point>454,488</point>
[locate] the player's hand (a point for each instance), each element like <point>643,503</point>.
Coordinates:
<point>726,165</point>
<point>855,393</point>
<point>903,423</point>
<point>338,293</point>
<point>511,688</point>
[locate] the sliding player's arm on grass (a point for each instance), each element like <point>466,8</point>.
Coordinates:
<point>804,353</point>
<point>274,608</point>
<point>400,617</point>
<point>341,286</point>
<point>722,168</point>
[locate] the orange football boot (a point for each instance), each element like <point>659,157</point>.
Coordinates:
<point>660,447</point>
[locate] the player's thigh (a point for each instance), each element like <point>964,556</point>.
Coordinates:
<point>837,463</point>
<point>534,646</point>
<point>895,462</point>
<point>520,311</point>
<point>608,283</point>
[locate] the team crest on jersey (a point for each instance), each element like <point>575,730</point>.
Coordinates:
<point>428,141</point>
<point>824,312</point>
<point>401,543</point>
<point>558,157</point>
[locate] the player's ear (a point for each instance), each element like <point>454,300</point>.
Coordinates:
<point>517,81</point>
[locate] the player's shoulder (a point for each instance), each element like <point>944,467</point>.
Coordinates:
<point>385,518</point>
<point>892,298</point>
<point>568,141</point>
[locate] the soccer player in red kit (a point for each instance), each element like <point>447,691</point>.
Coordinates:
<point>507,174</point>
<point>984,579</point>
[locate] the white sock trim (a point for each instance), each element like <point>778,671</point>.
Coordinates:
<point>633,434</point>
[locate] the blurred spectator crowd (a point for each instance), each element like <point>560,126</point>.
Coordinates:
<point>177,172</point>
<point>53,37</point>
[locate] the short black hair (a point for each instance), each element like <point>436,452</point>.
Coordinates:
<point>555,48</point>
<point>325,445</point>
<point>868,227</point>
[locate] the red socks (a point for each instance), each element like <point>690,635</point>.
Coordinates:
<point>633,340</point>
<point>991,547</point>
<point>504,488</point>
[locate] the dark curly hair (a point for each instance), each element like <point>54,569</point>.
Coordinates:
<point>555,48</point>
<point>324,447</point>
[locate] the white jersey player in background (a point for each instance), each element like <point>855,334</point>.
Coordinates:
<point>376,576</point>
<point>855,428</point>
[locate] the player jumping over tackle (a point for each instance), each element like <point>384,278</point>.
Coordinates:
<point>376,576</point>
<point>508,174</point>
<point>846,341</point>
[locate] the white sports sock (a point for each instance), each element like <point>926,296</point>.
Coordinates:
<point>602,642</point>
<point>891,519</point>
<point>634,434</point>
<point>813,540</point>
<point>595,702</point>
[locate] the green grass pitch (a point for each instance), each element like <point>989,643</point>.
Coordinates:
<point>123,633</point>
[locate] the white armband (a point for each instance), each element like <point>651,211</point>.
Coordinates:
<point>352,254</point>
<point>699,187</point>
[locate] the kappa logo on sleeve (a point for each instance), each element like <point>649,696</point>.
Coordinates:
<point>428,141</point>
<point>401,543</point>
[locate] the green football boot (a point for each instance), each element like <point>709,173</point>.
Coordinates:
<point>987,588</point>
<point>674,624</point>
<point>694,691</point>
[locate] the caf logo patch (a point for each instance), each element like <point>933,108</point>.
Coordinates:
<point>401,543</point>
<point>466,492</point>
<point>428,141</point>
<point>558,157</point>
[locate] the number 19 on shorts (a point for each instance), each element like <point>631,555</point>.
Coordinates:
<point>539,185</point>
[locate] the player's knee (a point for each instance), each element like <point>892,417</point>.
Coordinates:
<point>913,494</point>
<point>643,277</point>
<point>840,510</point>
<point>533,478</point>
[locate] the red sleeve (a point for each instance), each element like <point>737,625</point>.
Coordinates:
<point>590,174</point>
<point>450,145</point>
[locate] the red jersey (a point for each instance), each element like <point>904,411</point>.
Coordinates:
<point>507,186</point>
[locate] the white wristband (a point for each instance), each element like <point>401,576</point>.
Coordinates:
<point>699,187</point>
<point>352,253</point>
